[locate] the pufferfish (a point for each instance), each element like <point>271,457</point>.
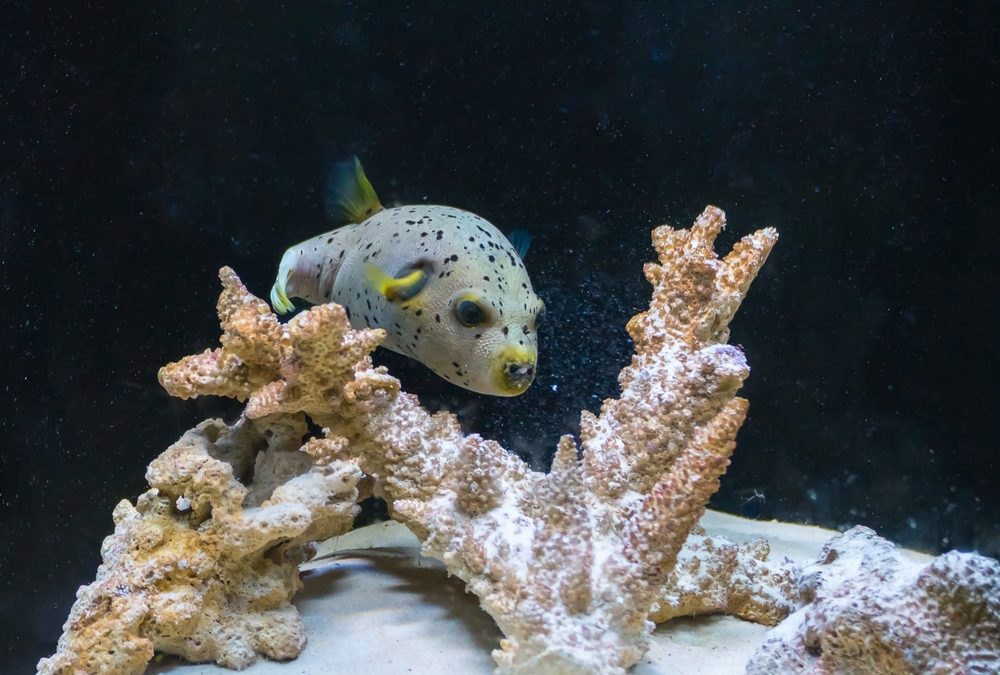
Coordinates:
<point>449,289</point>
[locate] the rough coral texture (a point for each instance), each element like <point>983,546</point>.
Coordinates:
<point>200,567</point>
<point>872,610</point>
<point>568,563</point>
<point>714,576</point>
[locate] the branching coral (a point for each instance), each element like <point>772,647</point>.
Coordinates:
<point>568,563</point>
<point>872,610</point>
<point>200,568</point>
<point>572,564</point>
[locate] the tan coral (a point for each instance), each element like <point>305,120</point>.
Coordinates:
<point>568,563</point>
<point>715,576</point>
<point>196,567</point>
<point>871,609</point>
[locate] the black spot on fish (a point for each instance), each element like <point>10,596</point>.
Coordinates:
<point>423,234</point>
<point>478,335</point>
<point>369,245</point>
<point>454,257</point>
<point>485,278</point>
<point>411,222</point>
<point>330,240</point>
<point>437,317</point>
<point>342,254</point>
<point>419,312</point>
<point>439,233</point>
<point>505,330</point>
<point>492,259</point>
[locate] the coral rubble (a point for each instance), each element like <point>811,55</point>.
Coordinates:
<point>197,567</point>
<point>870,609</point>
<point>568,563</point>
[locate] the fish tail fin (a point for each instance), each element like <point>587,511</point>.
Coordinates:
<point>521,241</point>
<point>279,294</point>
<point>350,197</point>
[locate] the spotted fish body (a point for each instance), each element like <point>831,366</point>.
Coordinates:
<point>459,258</point>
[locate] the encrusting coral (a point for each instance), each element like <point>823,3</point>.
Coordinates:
<point>197,567</point>
<point>870,609</point>
<point>570,564</point>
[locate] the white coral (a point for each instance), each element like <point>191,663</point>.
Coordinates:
<point>872,609</point>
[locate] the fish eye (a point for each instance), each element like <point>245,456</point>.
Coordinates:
<point>469,312</point>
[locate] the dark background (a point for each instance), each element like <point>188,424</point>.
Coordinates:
<point>145,147</point>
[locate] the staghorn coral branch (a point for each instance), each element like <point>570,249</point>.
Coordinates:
<point>571,562</point>
<point>568,563</point>
<point>573,565</point>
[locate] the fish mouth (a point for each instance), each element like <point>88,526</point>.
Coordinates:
<point>515,370</point>
<point>519,375</point>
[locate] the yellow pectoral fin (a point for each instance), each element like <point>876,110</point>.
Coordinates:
<point>393,289</point>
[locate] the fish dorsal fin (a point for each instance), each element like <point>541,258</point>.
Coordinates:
<point>396,288</point>
<point>350,197</point>
<point>521,241</point>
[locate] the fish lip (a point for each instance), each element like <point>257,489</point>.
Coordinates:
<point>514,368</point>
<point>517,377</point>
